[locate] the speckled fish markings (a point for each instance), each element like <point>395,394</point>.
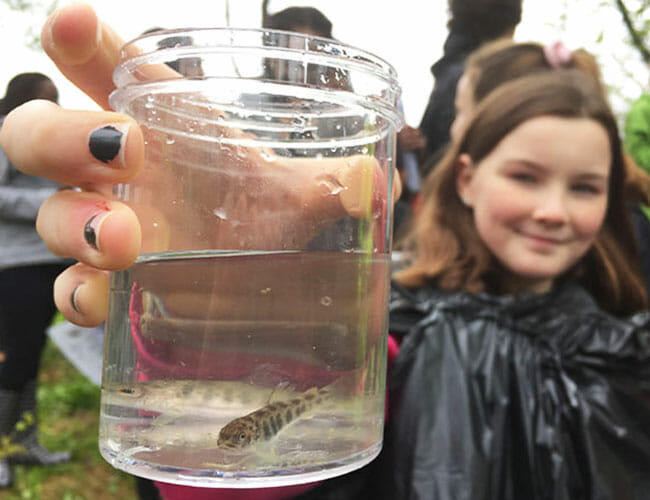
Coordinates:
<point>265,423</point>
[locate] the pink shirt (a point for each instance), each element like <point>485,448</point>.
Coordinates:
<point>178,492</point>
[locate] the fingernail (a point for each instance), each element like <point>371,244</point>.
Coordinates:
<point>48,31</point>
<point>107,143</point>
<point>92,227</point>
<point>73,299</point>
<point>55,37</point>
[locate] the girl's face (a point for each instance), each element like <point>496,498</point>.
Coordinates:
<point>539,198</point>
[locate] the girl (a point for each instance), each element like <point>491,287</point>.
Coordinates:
<point>499,62</point>
<point>512,377</point>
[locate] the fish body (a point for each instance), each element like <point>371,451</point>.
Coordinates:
<point>198,397</point>
<point>265,423</point>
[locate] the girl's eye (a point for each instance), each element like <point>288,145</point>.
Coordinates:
<point>523,177</point>
<point>585,189</point>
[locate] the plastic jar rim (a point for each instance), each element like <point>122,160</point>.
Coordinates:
<point>339,54</point>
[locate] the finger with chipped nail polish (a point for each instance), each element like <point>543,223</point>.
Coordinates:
<point>81,294</point>
<point>89,228</point>
<point>92,227</point>
<point>77,148</point>
<point>107,143</point>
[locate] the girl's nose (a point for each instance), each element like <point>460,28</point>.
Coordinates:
<point>551,208</point>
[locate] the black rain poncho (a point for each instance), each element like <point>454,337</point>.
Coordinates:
<point>492,398</point>
<point>545,397</point>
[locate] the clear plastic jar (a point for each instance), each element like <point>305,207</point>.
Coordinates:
<point>247,345</point>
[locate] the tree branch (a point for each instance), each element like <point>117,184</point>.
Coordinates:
<point>637,40</point>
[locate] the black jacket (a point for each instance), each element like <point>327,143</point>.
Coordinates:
<point>545,397</point>
<point>641,226</point>
<point>492,398</point>
<point>441,109</point>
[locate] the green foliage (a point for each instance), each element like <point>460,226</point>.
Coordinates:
<point>32,6</point>
<point>636,21</point>
<point>36,11</point>
<point>20,5</point>
<point>63,399</point>
<point>8,445</point>
<point>68,415</point>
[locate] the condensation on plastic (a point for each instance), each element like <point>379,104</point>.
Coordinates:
<point>236,59</point>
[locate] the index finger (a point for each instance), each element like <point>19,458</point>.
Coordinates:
<point>42,139</point>
<point>87,51</point>
<point>84,49</point>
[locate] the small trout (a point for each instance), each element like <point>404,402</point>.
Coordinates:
<point>202,397</point>
<point>268,421</point>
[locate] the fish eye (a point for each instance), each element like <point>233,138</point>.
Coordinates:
<point>242,436</point>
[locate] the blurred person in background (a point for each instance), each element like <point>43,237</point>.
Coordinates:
<point>471,24</point>
<point>27,273</point>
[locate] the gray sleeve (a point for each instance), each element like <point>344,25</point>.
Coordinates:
<point>19,202</point>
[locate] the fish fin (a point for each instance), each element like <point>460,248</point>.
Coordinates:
<point>281,387</point>
<point>165,419</point>
<point>154,305</point>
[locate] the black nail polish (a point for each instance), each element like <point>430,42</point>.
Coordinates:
<point>89,232</point>
<point>92,227</point>
<point>73,300</point>
<point>105,143</point>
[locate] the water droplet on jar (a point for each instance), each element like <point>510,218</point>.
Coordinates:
<point>220,213</point>
<point>330,186</point>
<point>267,156</point>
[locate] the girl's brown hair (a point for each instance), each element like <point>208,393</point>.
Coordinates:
<point>503,60</point>
<point>448,250</point>
<point>495,63</point>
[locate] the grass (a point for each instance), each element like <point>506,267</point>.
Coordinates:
<point>68,405</point>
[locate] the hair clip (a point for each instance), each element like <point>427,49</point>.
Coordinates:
<point>558,55</point>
